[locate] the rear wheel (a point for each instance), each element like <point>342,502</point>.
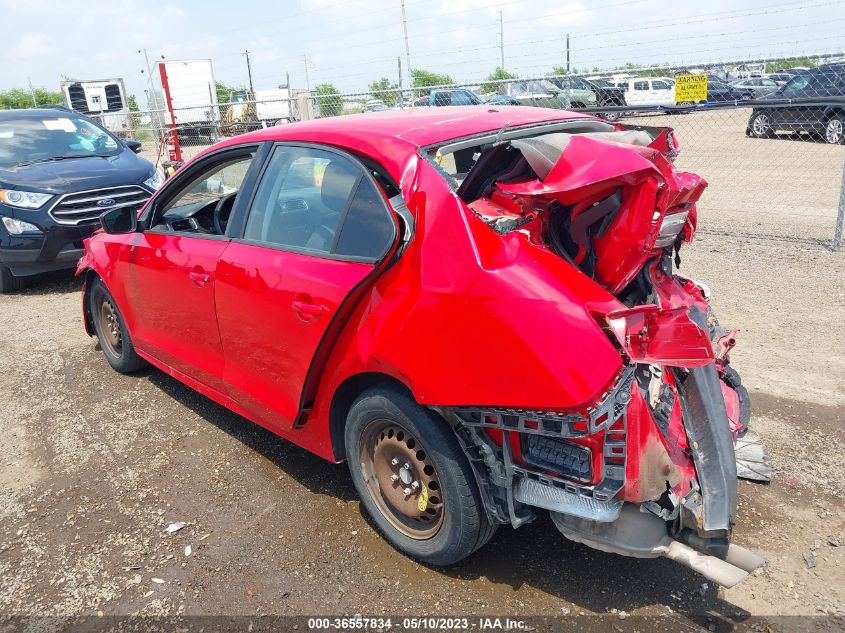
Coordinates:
<point>111,330</point>
<point>761,125</point>
<point>413,478</point>
<point>834,130</point>
<point>8,282</point>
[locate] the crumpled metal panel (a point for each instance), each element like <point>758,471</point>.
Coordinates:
<point>711,440</point>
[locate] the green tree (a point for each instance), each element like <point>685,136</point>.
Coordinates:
<point>224,92</point>
<point>132,103</point>
<point>558,70</point>
<point>807,62</point>
<point>424,78</point>
<point>492,83</point>
<point>329,101</point>
<point>382,89</point>
<point>23,98</point>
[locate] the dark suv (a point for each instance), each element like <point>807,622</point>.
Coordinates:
<point>817,106</point>
<point>58,172</point>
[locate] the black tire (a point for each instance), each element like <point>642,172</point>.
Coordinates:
<point>611,117</point>
<point>465,525</point>
<point>834,130</point>
<point>760,125</point>
<point>8,282</point>
<point>120,354</point>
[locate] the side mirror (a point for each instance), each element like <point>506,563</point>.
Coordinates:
<point>119,221</point>
<point>134,145</point>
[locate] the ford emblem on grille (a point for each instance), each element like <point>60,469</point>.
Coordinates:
<point>105,202</point>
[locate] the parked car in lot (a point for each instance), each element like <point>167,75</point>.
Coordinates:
<point>780,78</point>
<point>757,87</point>
<point>545,93</point>
<point>606,94</point>
<point>648,91</point>
<point>476,308</point>
<point>453,97</point>
<point>718,90</point>
<point>818,106</point>
<point>58,172</point>
<point>500,99</point>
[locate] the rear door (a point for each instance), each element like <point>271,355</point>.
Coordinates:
<point>172,265</point>
<point>314,236</point>
<point>639,92</point>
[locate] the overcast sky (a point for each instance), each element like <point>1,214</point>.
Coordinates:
<point>349,43</point>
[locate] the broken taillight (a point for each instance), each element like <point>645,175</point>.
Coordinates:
<point>670,228</point>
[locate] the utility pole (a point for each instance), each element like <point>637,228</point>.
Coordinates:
<point>567,53</point>
<point>152,102</point>
<point>32,92</point>
<point>307,84</point>
<point>502,40</point>
<point>249,72</point>
<point>401,92</point>
<point>407,46</point>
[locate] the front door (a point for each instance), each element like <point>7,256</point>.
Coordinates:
<point>173,265</point>
<point>314,236</point>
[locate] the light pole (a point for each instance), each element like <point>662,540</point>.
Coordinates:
<point>407,46</point>
<point>502,40</point>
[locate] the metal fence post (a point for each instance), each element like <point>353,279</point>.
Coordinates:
<point>840,215</point>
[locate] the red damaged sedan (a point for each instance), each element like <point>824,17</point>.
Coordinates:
<point>477,309</point>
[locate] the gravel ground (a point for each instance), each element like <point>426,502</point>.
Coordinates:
<point>94,466</point>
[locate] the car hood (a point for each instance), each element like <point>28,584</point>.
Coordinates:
<point>78,174</point>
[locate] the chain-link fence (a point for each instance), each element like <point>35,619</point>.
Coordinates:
<point>773,154</point>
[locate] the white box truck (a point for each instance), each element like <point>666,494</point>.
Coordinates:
<point>102,99</point>
<point>189,99</point>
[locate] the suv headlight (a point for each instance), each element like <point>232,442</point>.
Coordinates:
<point>155,181</point>
<point>23,199</point>
<point>18,227</point>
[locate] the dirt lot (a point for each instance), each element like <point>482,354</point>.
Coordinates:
<point>94,465</point>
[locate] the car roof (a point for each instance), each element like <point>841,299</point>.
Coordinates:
<point>34,113</point>
<point>410,128</point>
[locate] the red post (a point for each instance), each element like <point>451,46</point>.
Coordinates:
<point>174,151</point>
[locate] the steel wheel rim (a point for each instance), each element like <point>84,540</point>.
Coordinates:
<point>109,326</point>
<point>402,479</point>
<point>761,124</point>
<point>834,131</point>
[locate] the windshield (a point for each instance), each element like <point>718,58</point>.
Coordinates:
<point>29,139</point>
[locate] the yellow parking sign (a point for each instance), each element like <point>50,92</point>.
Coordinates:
<point>690,88</point>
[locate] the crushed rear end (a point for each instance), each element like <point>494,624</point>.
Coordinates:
<point>648,468</point>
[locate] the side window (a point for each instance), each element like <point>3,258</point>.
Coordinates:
<point>368,230</point>
<point>461,97</point>
<point>660,85</point>
<point>304,197</point>
<point>640,85</point>
<point>442,98</point>
<point>796,86</point>
<point>519,88</point>
<point>205,203</point>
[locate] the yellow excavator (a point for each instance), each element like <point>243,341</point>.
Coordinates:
<point>240,114</point>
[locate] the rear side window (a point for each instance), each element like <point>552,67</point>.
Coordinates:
<point>367,229</point>
<point>640,85</point>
